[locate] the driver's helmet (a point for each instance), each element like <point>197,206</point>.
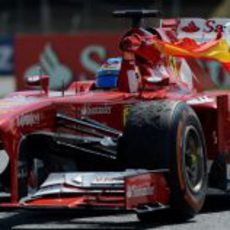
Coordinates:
<point>107,75</point>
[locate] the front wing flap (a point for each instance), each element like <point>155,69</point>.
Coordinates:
<point>128,190</point>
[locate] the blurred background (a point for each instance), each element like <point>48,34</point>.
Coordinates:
<point>71,38</point>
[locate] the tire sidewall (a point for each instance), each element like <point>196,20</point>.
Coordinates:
<point>182,196</point>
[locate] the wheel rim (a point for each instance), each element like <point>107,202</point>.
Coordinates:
<point>194,160</point>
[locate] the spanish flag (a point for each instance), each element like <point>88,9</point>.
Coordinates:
<point>217,50</point>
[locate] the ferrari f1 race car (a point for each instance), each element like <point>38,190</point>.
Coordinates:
<point>144,136</point>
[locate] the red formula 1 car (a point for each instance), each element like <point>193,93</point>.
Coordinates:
<point>144,136</point>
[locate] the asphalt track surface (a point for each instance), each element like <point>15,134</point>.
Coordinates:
<point>215,215</point>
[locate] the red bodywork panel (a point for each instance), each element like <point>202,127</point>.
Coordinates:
<point>146,189</point>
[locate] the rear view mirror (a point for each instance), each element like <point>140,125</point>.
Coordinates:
<point>37,81</point>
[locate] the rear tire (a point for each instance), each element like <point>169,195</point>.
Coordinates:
<point>168,134</point>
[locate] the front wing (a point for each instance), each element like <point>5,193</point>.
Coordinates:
<point>138,190</point>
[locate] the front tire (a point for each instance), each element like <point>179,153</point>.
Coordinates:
<point>168,134</point>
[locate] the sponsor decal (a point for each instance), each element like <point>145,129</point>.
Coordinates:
<point>204,29</point>
<point>214,25</point>
<point>29,120</point>
<point>97,110</point>
<point>200,100</point>
<point>191,28</point>
<point>136,191</point>
<point>107,180</point>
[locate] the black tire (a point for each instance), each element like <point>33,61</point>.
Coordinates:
<point>165,134</point>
